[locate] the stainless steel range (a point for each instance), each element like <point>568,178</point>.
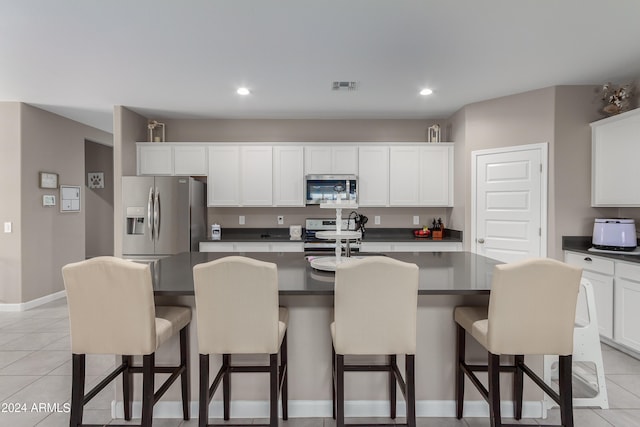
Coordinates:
<point>314,244</point>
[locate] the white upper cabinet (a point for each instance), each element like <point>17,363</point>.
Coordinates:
<point>190,159</point>
<point>436,175</point>
<point>373,175</point>
<point>155,159</point>
<point>256,176</point>
<point>288,176</point>
<point>330,159</point>
<point>421,175</point>
<point>223,182</point>
<point>614,160</point>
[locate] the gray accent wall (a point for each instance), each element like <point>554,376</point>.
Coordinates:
<point>98,201</point>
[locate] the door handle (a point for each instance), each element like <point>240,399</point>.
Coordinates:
<point>156,214</point>
<point>150,214</point>
<point>481,240</point>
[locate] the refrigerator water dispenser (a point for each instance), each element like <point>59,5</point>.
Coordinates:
<point>135,220</point>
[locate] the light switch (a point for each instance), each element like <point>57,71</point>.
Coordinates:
<point>416,220</point>
<point>7,227</point>
<point>376,220</point>
<point>241,219</point>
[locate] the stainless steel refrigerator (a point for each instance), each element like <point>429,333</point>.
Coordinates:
<point>164,215</point>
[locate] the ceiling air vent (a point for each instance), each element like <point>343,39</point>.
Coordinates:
<point>343,86</point>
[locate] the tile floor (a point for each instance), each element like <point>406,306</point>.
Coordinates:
<point>35,367</point>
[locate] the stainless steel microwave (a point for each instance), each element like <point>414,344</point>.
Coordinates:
<point>321,188</point>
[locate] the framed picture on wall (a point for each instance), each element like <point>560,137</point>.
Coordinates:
<point>70,198</point>
<point>48,180</point>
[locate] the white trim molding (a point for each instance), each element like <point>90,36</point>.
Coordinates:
<point>23,306</point>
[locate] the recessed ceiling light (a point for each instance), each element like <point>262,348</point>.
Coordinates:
<point>243,91</point>
<point>426,92</point>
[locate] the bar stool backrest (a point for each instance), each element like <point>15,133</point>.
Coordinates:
<point>532,307</point>
<point>111,307</point>
<point>237,306</point>
<point>376,302</point>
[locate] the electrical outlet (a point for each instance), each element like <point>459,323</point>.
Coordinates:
<point>376,220</point>
<point>7,227</point>
<point>280,219</point>
<point>241,220</point>
<point>416,220</point>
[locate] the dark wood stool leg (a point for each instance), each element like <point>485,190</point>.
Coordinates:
<point>494,390</point>
<point>148,377</point>
<point>460,350</point>
<point>226,386</point>
<point>333,379</point>
<point>127,387</point>
<point>273,387</point>
<point>185,376</point>
<point>410,362</point>
<point>392,386</point>
<point>77,389</point>
<point>203,400</point>
<point>340,390</point>
<point>284,392</point>
<point>518,377</point>
<point>565,366</point>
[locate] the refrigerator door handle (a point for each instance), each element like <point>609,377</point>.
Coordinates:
<point>156,214</point>
<point>150,209</point>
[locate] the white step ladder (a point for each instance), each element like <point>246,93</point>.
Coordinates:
<point>586,348</point>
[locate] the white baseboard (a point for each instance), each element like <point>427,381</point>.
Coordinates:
<point>322,409</point>
<point>33,303</point>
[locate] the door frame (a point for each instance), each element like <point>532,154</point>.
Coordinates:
<point>543,147</point>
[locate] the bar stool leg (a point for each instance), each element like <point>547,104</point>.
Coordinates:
<point>392,386</point>
<point>185,376</point>
<point>77,389</point>
<point>460,351</point>
<point>566,393</point>
<point>273,386</point>
<point>127,387</point>
<point>203,410</point>
<point>226,386</point>
<point>518,377</point>
<point>285,375</point>
<point>148,377</point>
<point>411,389</point>
<point>333,379</point>
<point>340,390</point>
<point>494,390</point>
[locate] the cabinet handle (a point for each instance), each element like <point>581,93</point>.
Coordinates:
<point>588,259</point>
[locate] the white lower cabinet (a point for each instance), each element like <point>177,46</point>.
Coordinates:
<point>410,246</point>
<point>251,247</point>
<point>627,305</point>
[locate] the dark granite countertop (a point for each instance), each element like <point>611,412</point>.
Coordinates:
<point>371,235</point>
<point>441,273</point>
<point>583,243</point>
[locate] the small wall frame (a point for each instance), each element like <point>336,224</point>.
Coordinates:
<point>70,200</point>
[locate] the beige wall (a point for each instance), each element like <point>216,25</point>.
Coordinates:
<point>50,239</point>
<point>10,209</point>
<point>98,201</point>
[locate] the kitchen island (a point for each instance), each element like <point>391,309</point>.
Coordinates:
<point>446,280</point>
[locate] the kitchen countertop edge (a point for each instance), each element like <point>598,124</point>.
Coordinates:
<point>583,243</point>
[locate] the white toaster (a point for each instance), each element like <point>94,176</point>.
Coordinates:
<point>617,234</point>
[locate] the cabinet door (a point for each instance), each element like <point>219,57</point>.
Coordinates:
<point>189,159</point>
<point>155,159</point>
<point>257,176</point>
<point>288,176</point>
<point>615,154</point>
<point>436,176</point>
<point>373,176</point>
<point>627,314</point>
<point>344,159</point>
<point>404,176</point>
<point>223,182</point>
<point>317,159</point>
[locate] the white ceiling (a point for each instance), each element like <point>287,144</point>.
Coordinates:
<point>185,59</point>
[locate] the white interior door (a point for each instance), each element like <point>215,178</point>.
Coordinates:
<point>510,202</point>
